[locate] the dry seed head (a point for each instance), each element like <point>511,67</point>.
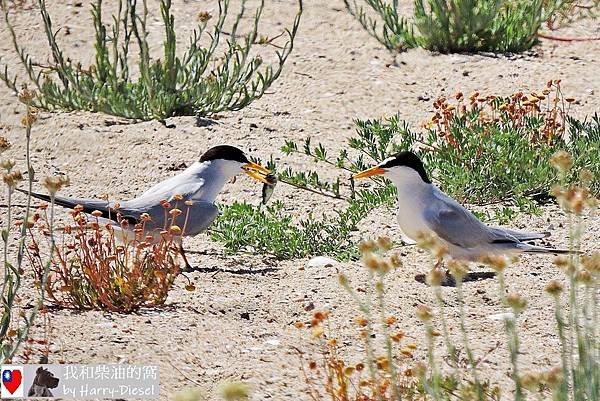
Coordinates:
<point>591,263</point>
<point>349,371</point>
<point>175,230</point>
<point>440,251</point>
<point>396,260</point>
<point>458,269</point>
<point>384,243</point>
<point>318,332</point>
<point>424,313</point>
<point>7,164</point>
<point>29,119</point>
<point>397,337</point>
<point>12,179</point>
<point>26,95</point>
<point>419,369</point>
<point>390,320</point>
<point>562,161</point>
<point>366,246</point>
<point>361,321</point>
<point>382,363</point>
<point>496,262</point>
<point>565,264</point>
<point>97,213</point>
<point>427,240</point>
<point>299,325</point>
<point>204,16</point>
<point>189,202</point>
<point>234,391</point>
<point>516,302</point>
<point>359,367</point>
<point>371,261</point>
<point>175,212</point>
<point>144,217</point>
<point>436,277</point>
<point>4,144</point>
<point>553,377</point>
<point>554,288</point>
<point>531,380</point>
<point>177,197</point>
<point>586,176</point>
<point>384,267</point>
<point>584,277</point>
<point>55,184</point>
<point>343,280</point>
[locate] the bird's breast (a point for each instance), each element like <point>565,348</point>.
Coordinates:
<point>410,217</point>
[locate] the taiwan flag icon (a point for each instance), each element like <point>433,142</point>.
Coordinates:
<point>12,382</point>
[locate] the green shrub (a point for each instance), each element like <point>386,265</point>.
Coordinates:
<point>202,81</point>
<point>450,26</point>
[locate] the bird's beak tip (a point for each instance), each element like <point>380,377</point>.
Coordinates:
<point>256,171</point>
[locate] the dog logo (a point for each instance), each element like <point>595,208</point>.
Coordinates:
<point>12,382</point>
<point>43,382</point>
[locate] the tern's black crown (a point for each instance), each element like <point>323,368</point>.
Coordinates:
<point>224,152</point>
<point>407,159</point>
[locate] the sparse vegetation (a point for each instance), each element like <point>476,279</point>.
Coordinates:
<point>388,369</point>
<point>100,266</point>
<point>200,82</point>
<point>480,149</point>
<point>451,26</point>
<point>15,321</point>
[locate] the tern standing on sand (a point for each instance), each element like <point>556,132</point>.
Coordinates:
<point>424,209</point>
<point>198,185</point>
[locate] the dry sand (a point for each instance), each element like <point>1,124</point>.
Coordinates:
<point>238,324</point>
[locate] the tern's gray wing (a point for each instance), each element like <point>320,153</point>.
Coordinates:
<point>187,183</point>
<point>456,225</point>
<point>200,217</point>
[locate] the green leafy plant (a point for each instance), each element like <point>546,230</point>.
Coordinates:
<point>269,230</point>
<point>481,149</point>
<point>450,26</point>
<point>200,82</point>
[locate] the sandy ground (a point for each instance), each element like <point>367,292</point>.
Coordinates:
<point>238,324</point>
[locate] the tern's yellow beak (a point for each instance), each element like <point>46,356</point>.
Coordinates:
<point>370,172</point>
<point>254,170</point>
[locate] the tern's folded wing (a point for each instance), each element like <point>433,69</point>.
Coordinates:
<point>456,225</point>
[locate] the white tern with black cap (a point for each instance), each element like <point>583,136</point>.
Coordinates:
<point>424,209</point>
<point>200,183</point>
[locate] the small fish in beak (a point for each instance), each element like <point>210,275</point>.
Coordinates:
<point>268,187</point>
